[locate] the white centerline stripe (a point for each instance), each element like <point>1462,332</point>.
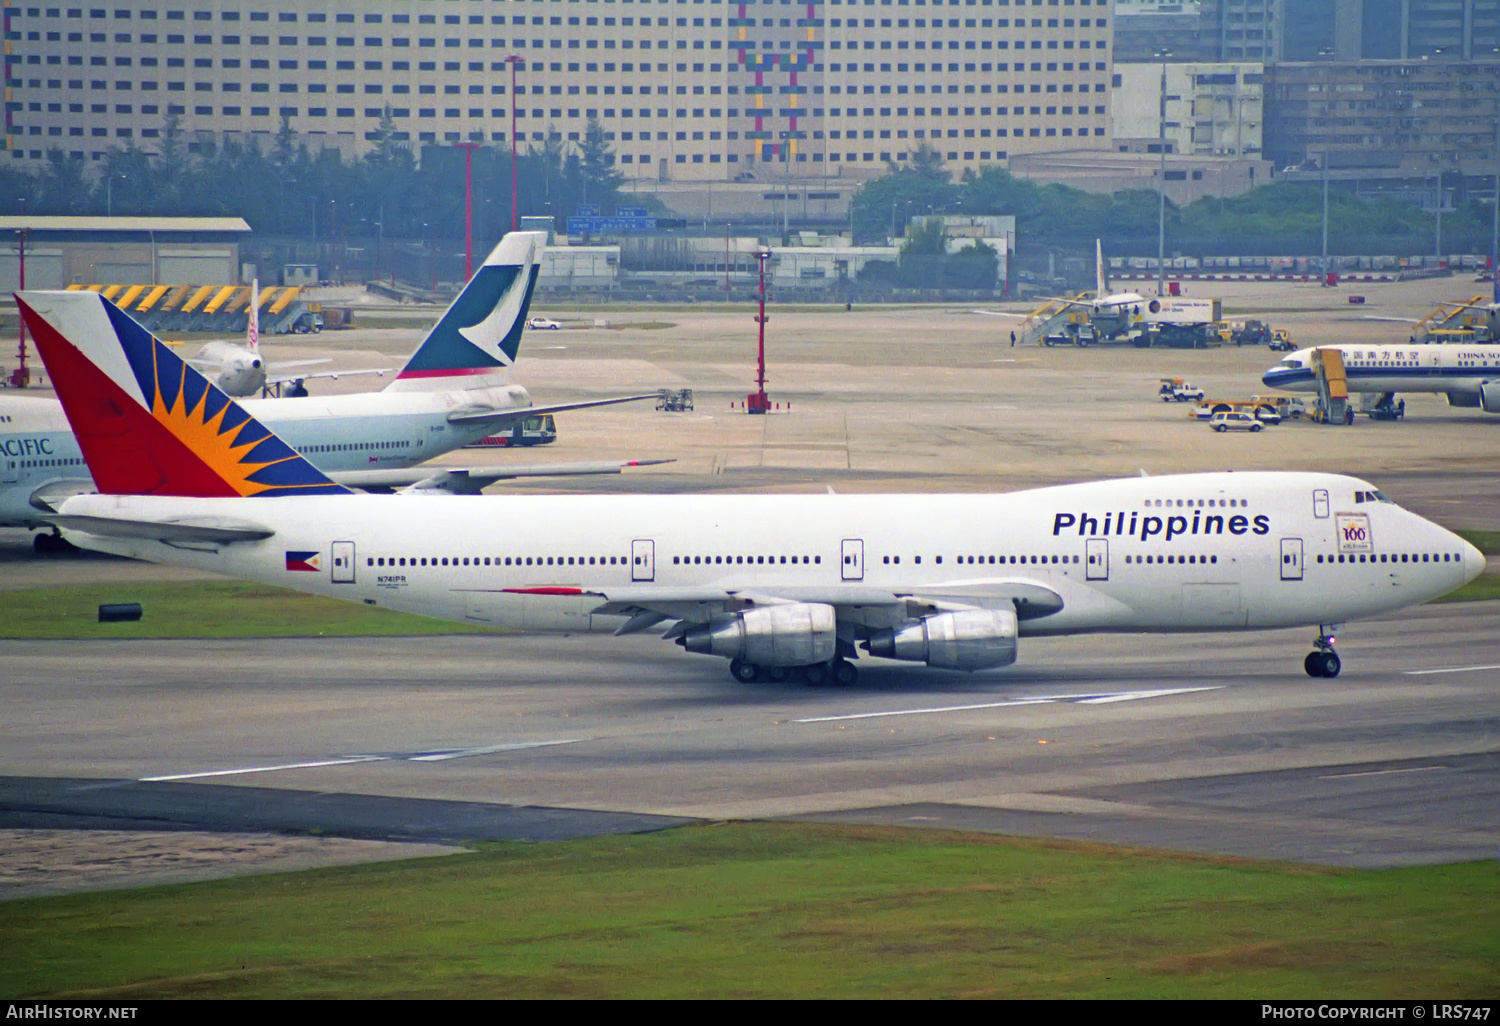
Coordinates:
<point>456,753</point>
<point>1086,699</point>
<point>918,712</point>
<point>1451,669</point>
<point>266,769</point>
<point>1381,773</point>
<point>464,753</point>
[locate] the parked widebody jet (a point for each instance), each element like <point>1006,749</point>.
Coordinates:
<point>1469,375</point>
<point>452,392</point>
<point>776,584</point>
<point>241,370</point>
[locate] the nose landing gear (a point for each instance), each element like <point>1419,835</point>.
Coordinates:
<point>1325,661</point>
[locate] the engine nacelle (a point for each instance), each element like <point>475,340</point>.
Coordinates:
<point>1467,399</point>
<point>970,639</point>
<point>794,634</point>
<point>1489,396</point>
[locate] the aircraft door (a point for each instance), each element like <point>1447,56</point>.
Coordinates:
<point>1097,552</point>
<point>10,470</point>
<point>1320,503</point>
<point>343,562</point>
<point>1291,559</point>
<point>854,559</point>
<point>643,560</point>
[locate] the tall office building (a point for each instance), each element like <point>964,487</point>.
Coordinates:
<point>702,90</point>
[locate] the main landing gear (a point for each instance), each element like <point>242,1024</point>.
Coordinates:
<point>839,671</point>
<point>51,545</point>
<point>1325,661</point>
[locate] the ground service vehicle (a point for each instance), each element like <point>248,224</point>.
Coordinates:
<point>1234,421</point>
<point>1178,390</point>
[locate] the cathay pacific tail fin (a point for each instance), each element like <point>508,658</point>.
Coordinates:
<point>147,421</point>
<point>479,335</point>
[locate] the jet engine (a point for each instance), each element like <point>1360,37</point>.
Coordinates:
<point>794,634</point>
<point>1489,396</point>
<point>1469,399</point>
<point>969,639</point>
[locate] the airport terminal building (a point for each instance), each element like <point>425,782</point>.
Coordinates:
<point>687,90</point>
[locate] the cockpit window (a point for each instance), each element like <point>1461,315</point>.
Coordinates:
<point>1373,497</point>
<point>1290,363</point>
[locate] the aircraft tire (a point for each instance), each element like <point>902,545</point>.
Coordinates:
<point>778,674</point>
<point>1322,664</point>
<point>816,674</point>
<point>745,673</point>
<point>845,673</point>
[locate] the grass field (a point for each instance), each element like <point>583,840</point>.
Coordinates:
<point>1487,542</point>
<point>776,910</point>
<point>229,609</point>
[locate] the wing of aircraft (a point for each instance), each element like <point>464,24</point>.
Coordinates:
<point>999,313</point>
<point>275,381</point>
<point>491,417</point>
<point>472,480</point>
<point>648,605</point>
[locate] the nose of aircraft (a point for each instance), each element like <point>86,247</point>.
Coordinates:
<point>1474,562</point>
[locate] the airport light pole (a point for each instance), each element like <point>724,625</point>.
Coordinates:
<point>468,148</point>
<point>1325,217</point>
<point>757,401</point>
<point>1495,226</point>
<point>515,220</point>
<point>1161,215</point>
<point>21,377</point>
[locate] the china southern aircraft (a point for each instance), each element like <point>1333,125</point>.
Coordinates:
<point>776,584</point>
<point>1468,374</point>
<point>452,392</point>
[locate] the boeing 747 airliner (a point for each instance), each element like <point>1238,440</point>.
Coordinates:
<point>775,584</point>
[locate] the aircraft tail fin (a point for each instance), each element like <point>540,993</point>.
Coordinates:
<point>147,421</point>
<point>479,335</point>
<point>252,325</point>
<point>1101,283</point>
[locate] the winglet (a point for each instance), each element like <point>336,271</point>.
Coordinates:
<point>148,422</point>
<point>479,336</point>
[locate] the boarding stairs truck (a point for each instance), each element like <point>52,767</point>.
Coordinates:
<point>1333,387</point>
<point>1055,317</point>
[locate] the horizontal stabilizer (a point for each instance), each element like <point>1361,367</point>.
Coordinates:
<point>50,496</point>
<point>187,532</point>
<point>472,415</point>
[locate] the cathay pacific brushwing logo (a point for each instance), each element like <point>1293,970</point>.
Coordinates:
<point>491,332</point>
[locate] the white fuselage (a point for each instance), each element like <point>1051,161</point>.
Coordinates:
<point>241,371</point>
<point>1462,369</point>
<point>1214,551</point>
<point>388,430</point>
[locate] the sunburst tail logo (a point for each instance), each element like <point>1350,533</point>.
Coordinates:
<point>148,423</point>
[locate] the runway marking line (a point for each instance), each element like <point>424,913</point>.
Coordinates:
<point>1085,699</point>
<point>1380,773</point>
<point>1451,669</point>
<point>432,756</point>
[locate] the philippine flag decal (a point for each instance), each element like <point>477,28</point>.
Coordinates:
<point>305,561</point>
